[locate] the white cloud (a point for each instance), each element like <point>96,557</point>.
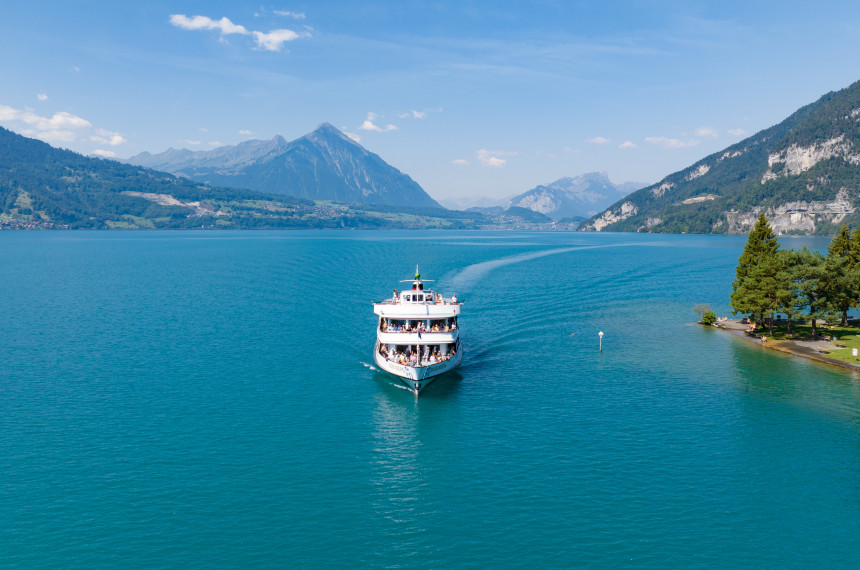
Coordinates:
<point>737,132</point>
<point>104,136</point>
<point>8,113</point>
<point>269,41</point>
<point>706,132</point>
<point>245,132</point>
<point>460,161</point>
<point>671,143</point>
<point>275,40</point>
<point>598,140</point>
<point>61,120</point>
<point>61,127</point>
<point>190,142</point>
<point>353,136</point>
<point>51,136</point>
<point>41,96</point>
<point>294,15</point>
<point>627,144</point>
<point>369,125</point>
<point>224,25</point>
<point>492,158</point>
<point>570,149</point>
<point>104,153</point>
<point>413,115</point>
<point>215,144</point>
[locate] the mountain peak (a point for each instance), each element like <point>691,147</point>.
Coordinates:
<point>328,131</point>
<point>578,196</point>
<point>322,165</point>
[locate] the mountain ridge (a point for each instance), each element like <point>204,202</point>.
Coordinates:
<point>324,164</point>
<point>573,196</point>
<point>802,173</point>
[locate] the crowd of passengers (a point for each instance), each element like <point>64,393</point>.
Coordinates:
<point>419,327</point>
<point>410,358</point>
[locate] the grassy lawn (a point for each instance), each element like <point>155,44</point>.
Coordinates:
<point>804,331</point>
<point>845,337</point>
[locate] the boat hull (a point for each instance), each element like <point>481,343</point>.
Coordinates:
<point>416,378</point>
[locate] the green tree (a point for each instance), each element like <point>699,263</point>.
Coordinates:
<point>842,283</point>
<point>809,277</point>
<point>854,250</point>
<point>841,243</point>
<point>762,282</point>
<point>790,302</point>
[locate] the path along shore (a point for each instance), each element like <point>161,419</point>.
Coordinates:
<point>811,349</point>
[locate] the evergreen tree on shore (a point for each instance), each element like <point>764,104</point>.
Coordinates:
<point>762,282</point>
<point>808,277</point>
<point>843,289</point>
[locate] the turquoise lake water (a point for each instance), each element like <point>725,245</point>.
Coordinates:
<point>206,399</point>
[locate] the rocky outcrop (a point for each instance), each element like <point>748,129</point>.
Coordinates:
<point>626,210</point>
<point>796,159</point>
<point>699,172</point>
<point>661,189</point>
<point>794,217</point>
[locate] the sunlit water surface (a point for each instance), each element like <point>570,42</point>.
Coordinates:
<point>207,399</point>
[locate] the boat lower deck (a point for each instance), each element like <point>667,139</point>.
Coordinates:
<point>416,378</point>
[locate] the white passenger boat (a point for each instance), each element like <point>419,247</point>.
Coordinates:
<point>417,336</point>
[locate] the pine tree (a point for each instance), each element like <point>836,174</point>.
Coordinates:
<point>842,286</point>
<point>841,243</point>
<point>756,284</point>
<point>808,276</point>
<point>854,250</point>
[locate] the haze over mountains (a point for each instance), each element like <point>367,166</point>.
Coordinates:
<point>42,187</point>
<point>576,197</point>
<point>803,174</point>
<point>322,165</point>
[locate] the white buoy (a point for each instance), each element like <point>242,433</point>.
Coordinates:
<point>600,334</point>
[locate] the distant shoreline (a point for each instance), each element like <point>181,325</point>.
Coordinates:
<point>810,349</point>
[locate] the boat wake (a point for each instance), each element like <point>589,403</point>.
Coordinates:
<point>371,366</point>
<point>472,274</point>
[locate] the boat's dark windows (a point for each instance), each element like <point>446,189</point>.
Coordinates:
<point>420,297</point>
<point>408,297</point>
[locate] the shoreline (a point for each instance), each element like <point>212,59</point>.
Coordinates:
<point>810,349</point>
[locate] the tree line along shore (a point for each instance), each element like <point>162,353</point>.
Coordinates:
<point>798,295</point>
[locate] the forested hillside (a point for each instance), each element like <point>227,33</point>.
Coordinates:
<point>803,174</point>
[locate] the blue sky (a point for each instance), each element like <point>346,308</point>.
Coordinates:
<point>470,98</point>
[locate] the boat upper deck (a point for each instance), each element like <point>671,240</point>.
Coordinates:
<point>417,302</point>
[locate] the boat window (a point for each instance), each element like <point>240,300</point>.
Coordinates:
<point>408,297</point>
<point>420,297</point>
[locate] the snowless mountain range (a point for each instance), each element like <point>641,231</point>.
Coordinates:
<point>328,165</point>
<point>322,165</point>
